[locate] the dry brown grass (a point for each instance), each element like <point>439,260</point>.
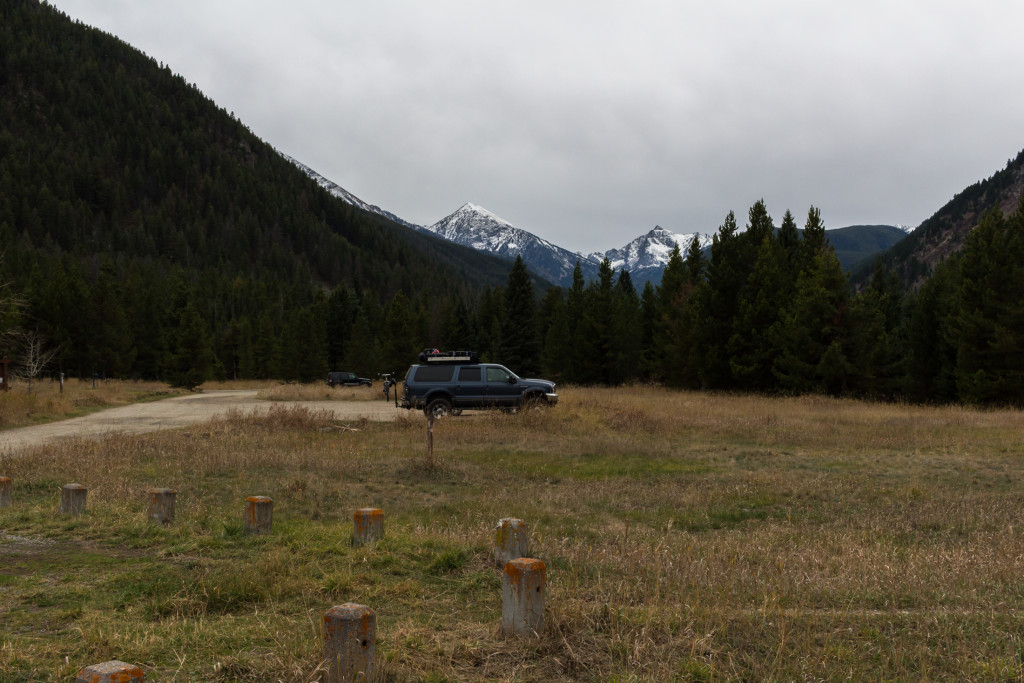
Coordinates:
<point>320,392</point>
<point>45,402</point>
<point>687,536</point>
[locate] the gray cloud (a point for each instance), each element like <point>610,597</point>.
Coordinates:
<point>590,122</point>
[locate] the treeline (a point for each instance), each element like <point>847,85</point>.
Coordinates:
<point>770,310</point>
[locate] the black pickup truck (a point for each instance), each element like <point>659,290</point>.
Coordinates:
<point>443,383</point>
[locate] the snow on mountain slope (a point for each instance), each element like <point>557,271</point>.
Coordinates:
<point>476,227</point>
<point>648,254</point>
<point>344,195</point>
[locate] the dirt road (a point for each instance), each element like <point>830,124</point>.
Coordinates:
<point>179,412</point>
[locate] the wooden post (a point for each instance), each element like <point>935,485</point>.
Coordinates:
<point>110,672</point>
<point>161,505</point>
<point>511,540</point>
<point>5,381</point>
<point>522,597</point>
<point>259,515</point>
<point>367,526</point>
<point>72,499</point>
<point>5,492</point>
<point>350,634</point>
<point>430,441</point>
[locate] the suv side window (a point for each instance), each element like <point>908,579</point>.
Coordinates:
<point>468,374</point>
<point>499,375</point>
<point>434,373</point>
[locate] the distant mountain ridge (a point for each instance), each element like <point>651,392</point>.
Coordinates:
<point>645,257</point>
<point>474,226</point>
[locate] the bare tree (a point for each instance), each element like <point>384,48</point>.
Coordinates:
<point>34,356</point>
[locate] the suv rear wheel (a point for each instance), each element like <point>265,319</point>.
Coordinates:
<point>438,408</point>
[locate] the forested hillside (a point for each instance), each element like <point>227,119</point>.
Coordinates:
<point>944,233</point>
<point>129,202</point>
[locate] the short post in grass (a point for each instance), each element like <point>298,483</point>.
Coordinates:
<point>430,441</point>
<point>72,499</point>
<point>522,597</point>
<point>350,633</point>
<point>511,540</point>
<point>161,505</point>
<point>110,672</point>
<point>5,492</point>
<point>367,526</point>
<point>259,515</point>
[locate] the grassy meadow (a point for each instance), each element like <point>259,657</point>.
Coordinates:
<point>687,536</point>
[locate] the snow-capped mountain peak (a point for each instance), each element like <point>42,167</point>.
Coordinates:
<point>650,252</point>
<point>474,226</point>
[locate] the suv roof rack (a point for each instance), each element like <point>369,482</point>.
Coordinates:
<point>436,356</point>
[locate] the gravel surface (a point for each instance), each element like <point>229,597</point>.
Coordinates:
<point>179,411</point>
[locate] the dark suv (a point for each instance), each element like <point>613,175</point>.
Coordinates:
<point>446,382</point>
<point>346,379</point>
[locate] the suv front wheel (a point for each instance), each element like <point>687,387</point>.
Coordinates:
<point>438,408</point>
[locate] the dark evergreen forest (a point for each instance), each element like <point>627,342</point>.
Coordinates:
<point>147,233</point>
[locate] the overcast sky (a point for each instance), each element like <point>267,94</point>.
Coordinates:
<point>588,122</point>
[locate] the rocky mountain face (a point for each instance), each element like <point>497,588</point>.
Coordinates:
<point>942,235</point>
<point>476,227</point>
<point>646,256</point>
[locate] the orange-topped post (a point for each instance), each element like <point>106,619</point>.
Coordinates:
<point>72,499</point>
<point>350,635</point>
<point>110,672</point>
<point>259,515</point>
<point>161,505</point>
<point>511,540</point>
<point>522,597</point>
<point>367,526</point>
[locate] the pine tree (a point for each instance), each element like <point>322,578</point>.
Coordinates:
<point>752,347</point>
<point>520,343</point>
<point>716,309</point>
<point>557,340</point>
<point>626,332</point>
<point>812,336</point>
<point>191,361</point>
<point>989,324</point>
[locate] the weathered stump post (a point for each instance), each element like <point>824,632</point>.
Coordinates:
<point>522,597</point>
<point>511,540</point>
<point>350,633</point>
<point>110,672</point>
<point>72,499</point>
<point>430,440</point>
<point>259,515</point>
<point>5,492</point>
<point>367,526</point>
<point>161,505</point>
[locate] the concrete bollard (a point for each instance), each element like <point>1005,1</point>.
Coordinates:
<point>5,492</point>
<point>522,597</point>
<point>259,515</point>
<point>161,505</point>
<point>110,672</point>
<point>350,633</point>
<point>72,499</point>
<point>367,526</point>
<point>511,540</point>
